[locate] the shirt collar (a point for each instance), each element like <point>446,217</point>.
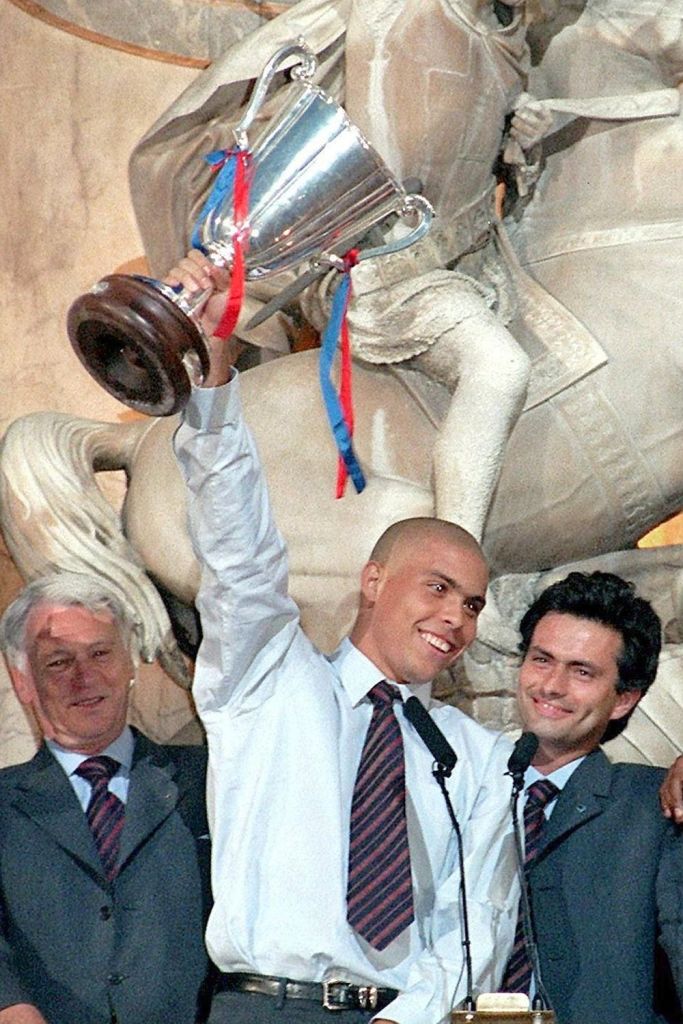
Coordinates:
<point>121,750</point>
<point>560,777</point>
<point>358,675</point>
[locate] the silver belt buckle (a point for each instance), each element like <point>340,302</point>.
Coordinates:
<point>367,997</point>
<point>328,995</point>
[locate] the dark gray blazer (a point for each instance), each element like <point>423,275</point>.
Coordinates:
<point>594,893</point>
<point>670,898</point>
<point>85,951</point>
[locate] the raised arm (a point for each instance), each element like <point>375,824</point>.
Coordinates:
<point>247,616</point>
<point>197,274</point>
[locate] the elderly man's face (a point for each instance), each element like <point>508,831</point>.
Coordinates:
<point>78,676</point>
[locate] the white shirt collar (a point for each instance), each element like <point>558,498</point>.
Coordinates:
<point>121,750</point>
<point>560,777</point>
<point>358,675</point>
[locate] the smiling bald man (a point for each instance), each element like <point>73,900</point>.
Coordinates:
<point>335,872</point>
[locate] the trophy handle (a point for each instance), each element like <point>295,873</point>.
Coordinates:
<point>410,205</point>
<point>304,71</point>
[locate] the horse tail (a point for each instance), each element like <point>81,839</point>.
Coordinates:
<point>55,517</point>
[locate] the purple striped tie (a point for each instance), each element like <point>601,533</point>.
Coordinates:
<point>519,970</point>
<point>380,889</point>
<point>105,812</point>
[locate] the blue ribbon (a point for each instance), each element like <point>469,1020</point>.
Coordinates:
<point>333,407</point>
<point>223,184</point>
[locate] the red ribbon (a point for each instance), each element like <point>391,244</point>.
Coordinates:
<point>346,382</point>
<point>244,172</point>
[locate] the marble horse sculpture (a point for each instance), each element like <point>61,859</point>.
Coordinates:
<point>442,308</point>
<point>592,461</point>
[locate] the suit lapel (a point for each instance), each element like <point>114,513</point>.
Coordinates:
<point>583,798</point>
<point>46,796</point>
<point>152,796</point>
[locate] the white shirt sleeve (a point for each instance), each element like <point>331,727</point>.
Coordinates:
<point>248,619</point>
<point>255,658</point>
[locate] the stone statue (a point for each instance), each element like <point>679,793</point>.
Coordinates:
<point>437,116</point>
<point>589,465</point>
<point>432,85</point>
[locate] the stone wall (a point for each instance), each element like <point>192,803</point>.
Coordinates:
<point>79,86</point>
<point>72,111</point>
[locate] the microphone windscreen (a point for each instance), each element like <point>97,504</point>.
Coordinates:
<point>429,733</point>
<point>523,753</point>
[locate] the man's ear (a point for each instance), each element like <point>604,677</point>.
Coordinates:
<point>371,577</point>
<point>25,689</point>
<point>24,686</point>
<point>625,703</point>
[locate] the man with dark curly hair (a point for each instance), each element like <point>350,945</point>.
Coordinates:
<point>595,836</point>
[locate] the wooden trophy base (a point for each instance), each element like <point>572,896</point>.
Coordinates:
<point>503,1008</point>
<point>133,339</point>
<point>503,1017</point>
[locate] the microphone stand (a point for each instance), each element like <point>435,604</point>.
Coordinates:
<point>441,773</point>
<point>501,1008</point>
<point>538,1014</point>
<point>445,760</point>
<point>540,1000</point>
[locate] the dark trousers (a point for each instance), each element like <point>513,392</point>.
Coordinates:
<point>251,1008</point>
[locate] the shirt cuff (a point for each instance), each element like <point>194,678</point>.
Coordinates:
<point>213,408</point>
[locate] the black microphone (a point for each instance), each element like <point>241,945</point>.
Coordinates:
<point>521,757</point>
<point>430,734</point>
<point>444,763</point>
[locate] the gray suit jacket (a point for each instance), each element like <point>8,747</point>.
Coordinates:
<point>593,891</point>
<point>86,951</point>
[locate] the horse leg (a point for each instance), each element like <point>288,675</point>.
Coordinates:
<point>487,373</point>
<point>440,323</point>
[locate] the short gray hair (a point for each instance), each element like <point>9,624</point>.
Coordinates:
<point>65,589</point>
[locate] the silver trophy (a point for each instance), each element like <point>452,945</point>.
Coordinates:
<point>317,188</point>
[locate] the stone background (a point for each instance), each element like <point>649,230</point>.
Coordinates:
<point>79,85</point>
<point>72,112</point>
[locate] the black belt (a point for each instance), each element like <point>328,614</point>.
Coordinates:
<point>331,995</point>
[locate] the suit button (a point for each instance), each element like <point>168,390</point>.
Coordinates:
<point>105,913</point>
<point>115,979</point>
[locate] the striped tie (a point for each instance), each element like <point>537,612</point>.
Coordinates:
<point>105,812</point>
<point>380,890</point>
<point>519,970</point>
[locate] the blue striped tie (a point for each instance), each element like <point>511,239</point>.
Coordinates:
<point>105,812</point>
<point>519,971</point>
<point>380,889</point>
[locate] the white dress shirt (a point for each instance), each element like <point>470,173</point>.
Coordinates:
<point>285,728</point>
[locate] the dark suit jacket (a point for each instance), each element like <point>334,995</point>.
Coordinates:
<point>670,896</point>
<point>593,891</point>
<point>85,951</point>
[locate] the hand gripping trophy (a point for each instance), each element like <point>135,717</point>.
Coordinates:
<point>307,190</point>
